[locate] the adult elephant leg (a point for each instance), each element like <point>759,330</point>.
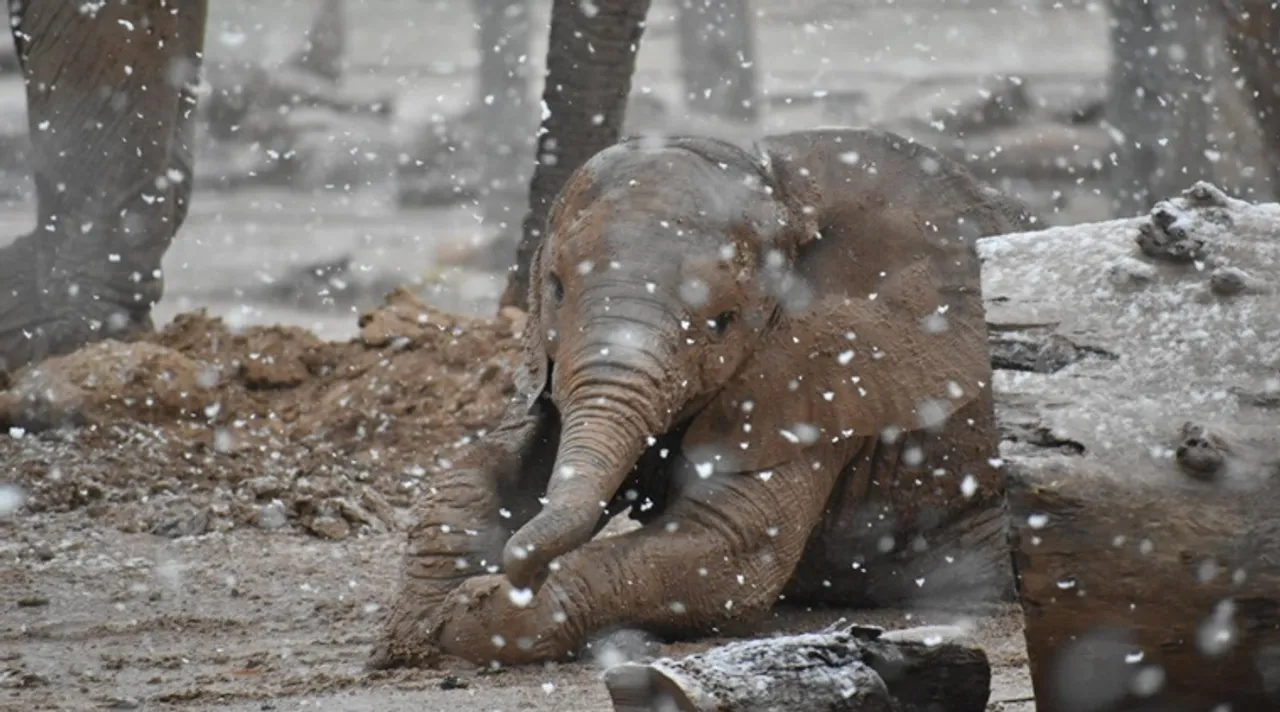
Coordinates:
<point>1253,38</point>
<point>721,554</point>
<point>591,56</point>
<point>110,105</point>
<point>462,524</point>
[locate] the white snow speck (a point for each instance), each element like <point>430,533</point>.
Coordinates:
<point>521,597</point>
<point>11,499</point>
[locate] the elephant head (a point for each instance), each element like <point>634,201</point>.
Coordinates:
<point>823,286</point>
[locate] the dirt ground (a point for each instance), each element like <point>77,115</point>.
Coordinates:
<point>222,527</point>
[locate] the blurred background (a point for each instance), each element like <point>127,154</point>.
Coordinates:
<point>349,146</point>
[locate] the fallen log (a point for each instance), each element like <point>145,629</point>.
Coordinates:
<point>1142,448</point>
<point>859,669</point>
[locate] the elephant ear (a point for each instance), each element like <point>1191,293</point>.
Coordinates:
<point>531,377</point>
<point>881,323</point>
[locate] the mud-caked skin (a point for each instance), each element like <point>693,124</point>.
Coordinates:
<point>111,104</point>
<point>769,358</point>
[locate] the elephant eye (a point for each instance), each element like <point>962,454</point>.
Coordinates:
<point>721,322</point>
<point>557,287</point>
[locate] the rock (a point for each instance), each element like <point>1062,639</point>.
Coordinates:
<point>351,512</point>
<point>265,487</point>
<point>272,516</point>
<point>453,682</point>
<point>380,507</point>
<point>185,524</point>
<point>1232,281</point>
<point>329,527</point>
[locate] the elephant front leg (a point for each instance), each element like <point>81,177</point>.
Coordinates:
<point>721,554</point>
<point>111,100</point>
<point>460,527</point>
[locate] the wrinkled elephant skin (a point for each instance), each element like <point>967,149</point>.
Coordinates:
<point>111,98</point>
<point>773,359</point>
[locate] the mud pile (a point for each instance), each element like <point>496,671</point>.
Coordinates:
<point>202,428</point>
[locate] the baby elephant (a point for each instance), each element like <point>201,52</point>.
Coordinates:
<point>775,360</point>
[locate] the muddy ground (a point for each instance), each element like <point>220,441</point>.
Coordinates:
<point>220,529</point>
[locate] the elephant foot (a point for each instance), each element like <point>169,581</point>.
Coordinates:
<point>45,310</point>
<point>408,638</point>
<point>485,621</point>
<point>402,648</point>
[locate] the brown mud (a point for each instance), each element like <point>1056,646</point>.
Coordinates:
<point>263,426</point>
<point>212,519</point>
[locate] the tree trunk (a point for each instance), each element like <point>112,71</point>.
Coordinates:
<point>1253,39</point>
<point>590,58</point>
<point>1157,100</point>
<point>718,58</point>
<point>1137,390</point>
<point>856,670</point>
<point>504,116</point>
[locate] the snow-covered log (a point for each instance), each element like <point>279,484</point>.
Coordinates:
<point>860,669</point>
<point>1139,395</point>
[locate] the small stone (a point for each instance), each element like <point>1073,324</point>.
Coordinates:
<point>351,512</point>
<point>329,527</point>
<point>272,516</point>
<point>1232,281</point>
<point>1129,272</point>
<point>182,525</point>
<point>1228,281</point>
<point>1206,195</point>
<point>453,682</point>
<point>1202,453</point>
<point>32,601</point>
<point>379,507</point>
<point>1166,235</point>
<point>265,487</point>
<point>33,679</point>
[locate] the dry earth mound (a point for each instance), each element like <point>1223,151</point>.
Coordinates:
<point>203,428</point>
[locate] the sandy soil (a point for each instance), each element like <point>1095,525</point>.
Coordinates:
<point>259,621</point>
<point>223,529</point>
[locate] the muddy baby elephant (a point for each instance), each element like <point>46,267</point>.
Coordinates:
<point>775,360</point>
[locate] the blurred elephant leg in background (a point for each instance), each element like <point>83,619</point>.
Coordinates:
<point>503,141</point>
<point>1253,39</point>
<point>506,120</point>
<point>111,104</point>
<point>322,49</point>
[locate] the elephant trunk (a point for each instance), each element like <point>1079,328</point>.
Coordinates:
<point>613,403</point>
